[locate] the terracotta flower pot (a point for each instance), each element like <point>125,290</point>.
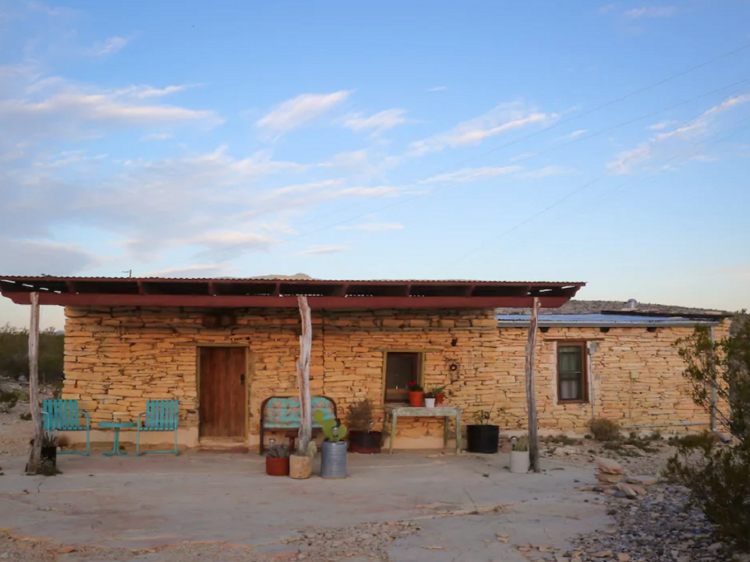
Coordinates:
<point>276,466</point>
<point>439,398</point>
<point>300,467</point>
<point>416,399</point>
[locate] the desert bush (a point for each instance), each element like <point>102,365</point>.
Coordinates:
<point>8,400</point>
<point>359,415</point>
<point>717,475</point>
<point>25,416</point>
<point>14,354</point>
<point>604,430</point>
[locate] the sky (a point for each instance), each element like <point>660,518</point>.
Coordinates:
<point>496,140</point>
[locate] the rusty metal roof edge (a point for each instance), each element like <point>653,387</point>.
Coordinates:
<point>22,278</point>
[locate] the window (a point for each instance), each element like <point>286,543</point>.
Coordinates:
<point>401,368</point>
<point>571,372</point>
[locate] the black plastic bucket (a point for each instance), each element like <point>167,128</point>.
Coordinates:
<point>482,438</point>
<point>365,442</point>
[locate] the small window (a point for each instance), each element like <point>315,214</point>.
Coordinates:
<point>401,368</point>
<point>571,373</point>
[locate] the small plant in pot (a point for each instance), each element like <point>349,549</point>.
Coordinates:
<point>277,460</point>
<point>300,464</point>
<point>48,459</point>
<point>333,457</point>
<point>429,399</point>
<point>483,436</point>
<point>359,420</point>
<point>519,455</point>
<point>416,394</point>
<point>439,392</point>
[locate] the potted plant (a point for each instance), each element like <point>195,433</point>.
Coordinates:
<point>439,392</point>
<point>416,394</point>
<point>519,455</point>
<point>482,436</point>
<point>277,460</point>
<point>359,420</point>
<point>300,465</point>
<point>429,399</point>
<point>333,457</point>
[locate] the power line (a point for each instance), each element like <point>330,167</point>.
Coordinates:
<point>553,126</point>
<point>537,155</point>
<point>594,180</point>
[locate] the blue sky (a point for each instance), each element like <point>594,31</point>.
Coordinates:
<point>586,141</point>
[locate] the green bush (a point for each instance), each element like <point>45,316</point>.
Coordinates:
<point>604,430</point>
<point>717,475</point>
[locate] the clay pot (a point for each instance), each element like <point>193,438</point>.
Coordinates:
<point>277,466</point>
<point>416,399</point>
<point>439,398</point>
<point>300,467</point>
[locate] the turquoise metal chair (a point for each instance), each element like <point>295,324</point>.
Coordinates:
<point>63,415</point>
<point>161,415</point>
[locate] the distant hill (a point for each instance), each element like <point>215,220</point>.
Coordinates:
<point>590,307</point>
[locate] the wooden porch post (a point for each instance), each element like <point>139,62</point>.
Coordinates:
<point>303,376</point>
<point>530,392</point>
<point>35,455</point>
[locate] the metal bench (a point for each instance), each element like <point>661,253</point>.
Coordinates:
<point>283,412</point>
<point>161,415</point>
<point>63,415</point>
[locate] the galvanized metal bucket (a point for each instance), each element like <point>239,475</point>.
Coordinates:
<point>333,459</point>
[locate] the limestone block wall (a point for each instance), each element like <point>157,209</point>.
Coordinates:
<point>637,379</point>
<point>116,358</point>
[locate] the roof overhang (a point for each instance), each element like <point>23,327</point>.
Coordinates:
<point>274,293</point>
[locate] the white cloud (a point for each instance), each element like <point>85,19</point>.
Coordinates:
<point>376,123</point>
<point>661,125</point>
<point>296,112</point>
<point>157,136</point>
<point>502,119</point>
<point>37,257</point>
<point>109,47</point>
<point>148,92</point>
<point>573,135</point>
<point>466,175</point>
<point>374,227</point>
<point>68,159</point>
<point>608,8</point>
<point>652,12</point>
<point>194,271</point>
<point>628,160</point>
<point>324,250</point>
<point>437,89</point>
<point>545,172</point>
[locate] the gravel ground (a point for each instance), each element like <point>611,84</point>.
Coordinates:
<point>354,544</point>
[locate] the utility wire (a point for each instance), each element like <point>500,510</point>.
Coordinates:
<point>550,127</point>
<point>594,180</point>
<point>530,157</point>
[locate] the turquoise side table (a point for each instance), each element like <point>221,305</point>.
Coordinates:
<point>117,426</point>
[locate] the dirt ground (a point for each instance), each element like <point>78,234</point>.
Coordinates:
<point>410,506</point>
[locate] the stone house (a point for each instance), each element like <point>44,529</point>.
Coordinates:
<point>222,346</point>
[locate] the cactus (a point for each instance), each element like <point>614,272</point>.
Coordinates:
<point>312,448</point>
<point>332,429</point>
<point>278,451</point>
<point>521,444</point>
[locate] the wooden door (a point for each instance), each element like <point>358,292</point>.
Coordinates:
<point>223,394</point>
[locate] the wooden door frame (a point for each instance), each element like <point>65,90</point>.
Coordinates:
<point>248,379</point>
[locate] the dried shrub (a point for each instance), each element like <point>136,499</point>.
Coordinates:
<point>359,416</point>
<point>8,400</point>
<point>604,430</point>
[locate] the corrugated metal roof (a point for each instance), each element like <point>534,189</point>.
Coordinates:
<point>601,321</point>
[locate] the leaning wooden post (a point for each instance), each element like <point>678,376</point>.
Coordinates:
<point>303,376</point>
<point>530,393</point>
<point>36,415</point>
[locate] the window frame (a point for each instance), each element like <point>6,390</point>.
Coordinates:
<point>584,372</point>
<point>420,368</point>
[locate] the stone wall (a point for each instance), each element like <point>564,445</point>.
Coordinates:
<point>116,358</point>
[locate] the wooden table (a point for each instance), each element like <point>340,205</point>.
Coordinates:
<point>394,411</point>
